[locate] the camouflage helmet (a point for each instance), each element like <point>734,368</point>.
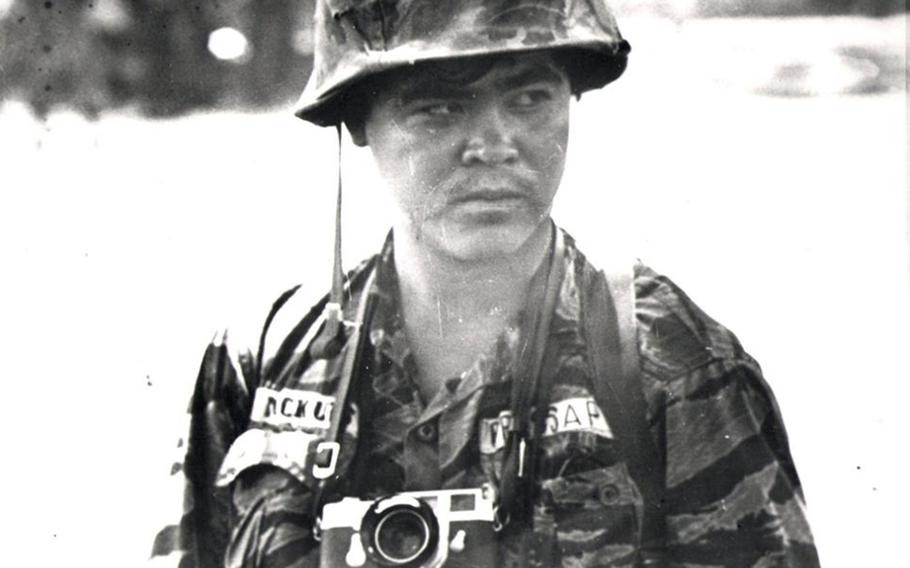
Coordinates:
<point>355,39</point>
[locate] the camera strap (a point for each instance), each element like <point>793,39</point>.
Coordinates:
<point>608,311</point>
<point>530,389</point>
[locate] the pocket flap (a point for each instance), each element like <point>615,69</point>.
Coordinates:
<point>602,486</point>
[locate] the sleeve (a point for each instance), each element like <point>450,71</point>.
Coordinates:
<point>733,494</point>
<point>733,497</point>
<point>274,524</point>
<point>217,414</point>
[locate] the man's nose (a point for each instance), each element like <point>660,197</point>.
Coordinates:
<point>489,141</point>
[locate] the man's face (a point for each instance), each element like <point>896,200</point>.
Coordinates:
<point>473,164</point>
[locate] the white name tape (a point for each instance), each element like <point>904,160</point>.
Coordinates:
<point>569,415</point>
<point>287,408</point>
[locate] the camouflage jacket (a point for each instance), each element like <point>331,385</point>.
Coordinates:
<point>733,495</point>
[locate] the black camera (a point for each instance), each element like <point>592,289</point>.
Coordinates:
<point>422,529</point>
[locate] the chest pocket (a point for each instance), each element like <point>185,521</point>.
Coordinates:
<point>596,515</point>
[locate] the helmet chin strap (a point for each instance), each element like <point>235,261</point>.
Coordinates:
<point>332,335</point>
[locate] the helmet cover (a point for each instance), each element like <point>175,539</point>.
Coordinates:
<point>355,39</point>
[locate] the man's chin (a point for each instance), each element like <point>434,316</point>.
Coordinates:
<point>484,241</point>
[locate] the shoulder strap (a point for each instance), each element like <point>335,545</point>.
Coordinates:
<point>276,306</point>
<point>610,327</point>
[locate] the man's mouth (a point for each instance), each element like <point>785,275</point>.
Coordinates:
<point>489,195</point>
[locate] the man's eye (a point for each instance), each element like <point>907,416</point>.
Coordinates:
<point>531,98</point>
<point>440,109</point>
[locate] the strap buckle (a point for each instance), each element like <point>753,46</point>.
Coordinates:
<point>317,528</point>
<point>499,522</point>
<point>522,453</point>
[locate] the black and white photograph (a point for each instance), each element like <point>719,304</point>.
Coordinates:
<point>455,283</point>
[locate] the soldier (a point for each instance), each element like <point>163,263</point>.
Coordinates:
<point>605,419</point>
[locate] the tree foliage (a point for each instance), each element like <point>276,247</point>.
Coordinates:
<point>150,54</point>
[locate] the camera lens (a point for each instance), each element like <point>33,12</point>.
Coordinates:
<point>401,536</point>
<point>400,531</point>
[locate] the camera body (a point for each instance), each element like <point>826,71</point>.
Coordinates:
<point>420,529</point>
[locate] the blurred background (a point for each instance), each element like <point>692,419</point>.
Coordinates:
<point>170,57</point>
<point>154,188</point>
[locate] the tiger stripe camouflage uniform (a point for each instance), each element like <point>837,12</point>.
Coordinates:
<point>733,495</point>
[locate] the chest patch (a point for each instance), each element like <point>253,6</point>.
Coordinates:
<point>580,414</point>
<point>292,409</point>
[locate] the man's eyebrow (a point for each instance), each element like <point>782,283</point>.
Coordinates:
<point>535,74</point>
<point>429,88</point>
<point>424,88</point>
